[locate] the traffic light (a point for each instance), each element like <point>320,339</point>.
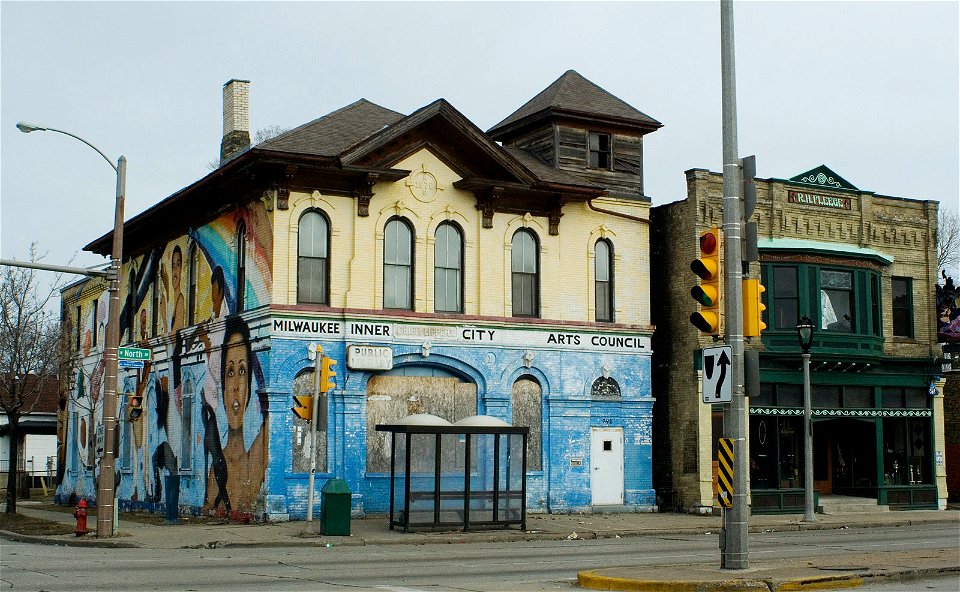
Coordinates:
<point>327,375</point>
<point>304,407</point>
<point>710,271</point>
<point>753,308</point>
<point>134,407</point>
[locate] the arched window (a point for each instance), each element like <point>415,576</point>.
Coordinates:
<point>312,259</point>
<point>605,387</point>
<point>156,314</point>
<point>241,266</point>
<point>525,268</point>
<point>526,401</point>
<point>448,269</point>
<point>131,304</point>
<point>186,427</point>
<point>303,385</point>
<point>193,260</point>
<point>603,280</point>
<point>397,265</point>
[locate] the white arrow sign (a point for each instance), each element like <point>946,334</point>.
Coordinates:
<point>716,374</point>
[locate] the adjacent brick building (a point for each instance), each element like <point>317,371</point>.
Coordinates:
<point>862,266</point>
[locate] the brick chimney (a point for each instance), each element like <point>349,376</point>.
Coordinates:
<point>236,119</point>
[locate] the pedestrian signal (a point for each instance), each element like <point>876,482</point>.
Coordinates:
<point>134,407</point>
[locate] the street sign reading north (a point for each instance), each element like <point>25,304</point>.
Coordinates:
<point>134,353</point>
<point>716,374</point>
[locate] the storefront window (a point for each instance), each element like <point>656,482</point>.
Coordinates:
<point>789,395</point>
<point>858,396</point>
<point>906,446</point>
<point>765,397</point>
<point>825,396</point>
<point>776,452</point>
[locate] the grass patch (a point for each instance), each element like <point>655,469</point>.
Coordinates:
<point>29,525</point>
<point>139,517</point>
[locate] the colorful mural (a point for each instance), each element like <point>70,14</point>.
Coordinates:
<point>948,311</point>
<point>213,445</point>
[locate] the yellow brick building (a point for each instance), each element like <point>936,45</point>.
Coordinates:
<point>862,267</point>
<point>446,270</point>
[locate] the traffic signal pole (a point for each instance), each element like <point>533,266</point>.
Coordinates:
<point>734,543</point>
<point>318,360</point>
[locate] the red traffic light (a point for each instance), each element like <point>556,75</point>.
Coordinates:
<point>708,267</point>
<point>709,243</point>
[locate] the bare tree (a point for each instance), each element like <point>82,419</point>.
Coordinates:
<point>262,135</point>
<point>29,353</point>
<point>948,239</point>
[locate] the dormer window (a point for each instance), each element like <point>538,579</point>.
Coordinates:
<point>598,146</point>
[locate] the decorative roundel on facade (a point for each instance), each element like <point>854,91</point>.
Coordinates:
<point>605,387</point>
<point>423,186</point>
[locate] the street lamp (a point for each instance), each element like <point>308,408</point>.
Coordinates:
<point>805,335</point>
<point>106,484</point>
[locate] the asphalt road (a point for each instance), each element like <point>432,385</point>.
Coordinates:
<point>520,566</point>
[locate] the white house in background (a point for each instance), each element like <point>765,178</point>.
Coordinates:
<point>38,437</point>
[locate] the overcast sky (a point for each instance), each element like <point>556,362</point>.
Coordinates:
<point>868,88</point>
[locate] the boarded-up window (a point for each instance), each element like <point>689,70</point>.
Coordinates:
<point>303,385</point>
<point>390,398</point>
<point>605,388</point>
<point>526,403</point>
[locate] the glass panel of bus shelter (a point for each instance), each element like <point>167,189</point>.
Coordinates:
<point>481,477</point>
<point>422,477</point>
<point>452,451</point>
<point>511,470</point>
<point>400,474</point>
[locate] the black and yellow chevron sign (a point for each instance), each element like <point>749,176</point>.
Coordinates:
<point>725,473</point>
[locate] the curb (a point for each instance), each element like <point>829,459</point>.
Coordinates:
<point>68,542</point>
<point>593,580</point>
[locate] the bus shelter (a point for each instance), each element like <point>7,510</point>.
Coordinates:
<point>468,474</point>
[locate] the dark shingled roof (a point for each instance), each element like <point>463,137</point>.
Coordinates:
<point>572,93</point>
<point>331,134</point>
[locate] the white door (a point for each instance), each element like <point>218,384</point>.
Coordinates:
<point>606,466</point>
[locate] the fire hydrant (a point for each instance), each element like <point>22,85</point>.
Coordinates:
<point>81,513</point>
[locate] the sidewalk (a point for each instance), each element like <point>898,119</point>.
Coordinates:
<point>763,575</point>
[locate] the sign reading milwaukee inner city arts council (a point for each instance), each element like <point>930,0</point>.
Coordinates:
<point>478,335</point>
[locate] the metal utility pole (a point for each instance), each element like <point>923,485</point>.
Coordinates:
<point>106,490</point>
<point>318,362</point>
<point>734,543</point>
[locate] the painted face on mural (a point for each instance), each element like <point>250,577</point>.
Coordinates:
<point>236,380</point>
<point>176,262</point>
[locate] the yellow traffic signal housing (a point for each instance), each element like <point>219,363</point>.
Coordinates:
<point>709,268</point>
<point>327,375</point>
<point>753,308</point>
<point>134,407</point>
<point>304,407</point>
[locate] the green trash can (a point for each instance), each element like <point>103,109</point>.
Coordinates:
<point>335,508</point>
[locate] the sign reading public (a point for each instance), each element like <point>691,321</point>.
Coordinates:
<point>716,374</point>
<point>369,357</point>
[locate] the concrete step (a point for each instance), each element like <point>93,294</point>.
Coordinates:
<point>837,505</point>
